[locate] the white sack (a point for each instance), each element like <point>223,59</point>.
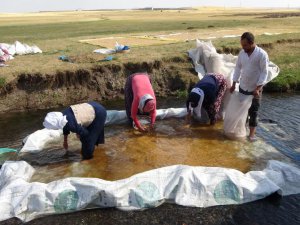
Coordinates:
<point>40,138</point>
<point>179,184</point>
<point>105,51</point>
<point>234,122</point>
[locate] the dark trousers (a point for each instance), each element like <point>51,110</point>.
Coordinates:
<point>96,132</point>
<point>128,97</point>
<point>253,111</point>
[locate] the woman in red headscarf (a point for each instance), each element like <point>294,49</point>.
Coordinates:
<point>139,99</point>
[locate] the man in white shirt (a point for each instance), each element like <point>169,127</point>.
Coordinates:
<point>251,72</point>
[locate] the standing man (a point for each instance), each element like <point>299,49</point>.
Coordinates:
<point>251,72</point>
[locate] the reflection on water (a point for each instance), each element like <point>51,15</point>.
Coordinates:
<point>127,152</point>
<point>283,123</point>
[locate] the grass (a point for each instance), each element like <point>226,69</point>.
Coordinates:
<point>287,55</point>
<point>182,94</point>
<point>80,29</point>
<point>2,81</point>
<point>59,34</point>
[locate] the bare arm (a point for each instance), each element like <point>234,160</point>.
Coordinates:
<point>134,111</point>
<point>66,146</point>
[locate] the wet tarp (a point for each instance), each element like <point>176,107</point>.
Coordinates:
<point>178,184</point>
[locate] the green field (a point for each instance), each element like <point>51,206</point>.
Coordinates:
<point>59,34</point>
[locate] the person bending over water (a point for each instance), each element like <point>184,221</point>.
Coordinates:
<point>207,93</point>
<point>86,120</point>
<point>139,99</point>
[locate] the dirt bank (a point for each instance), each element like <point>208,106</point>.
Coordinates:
<point>170,77</point>
<point>101,82</point>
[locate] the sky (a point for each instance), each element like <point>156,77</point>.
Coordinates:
<point>12,6</point>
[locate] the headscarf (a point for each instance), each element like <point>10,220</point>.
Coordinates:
<point>150,106</point>
<point>196,98</point>
<point>55,121</point>
<point>193,99</point>
<point>144,102</point>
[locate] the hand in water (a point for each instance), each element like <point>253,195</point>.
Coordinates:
<point>188,118</point>
<point>151,128</point>
<point>142,129</point>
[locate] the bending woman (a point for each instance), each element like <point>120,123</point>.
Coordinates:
<point>86,120</point>
<point>139,99</point>
<point>207,93</point>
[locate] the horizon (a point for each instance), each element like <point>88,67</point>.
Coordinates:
<point>32,6</point>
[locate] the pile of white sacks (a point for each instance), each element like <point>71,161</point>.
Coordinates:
<point>235,105</point>
<point>178,184</point>
<point>7,51</point>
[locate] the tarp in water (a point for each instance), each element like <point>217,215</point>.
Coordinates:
<point>38,140</point>
<point>179,184</point>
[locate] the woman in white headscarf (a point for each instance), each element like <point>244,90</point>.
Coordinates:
<point>139,99</point>
<point>86,120</point>
<point>208,94</point>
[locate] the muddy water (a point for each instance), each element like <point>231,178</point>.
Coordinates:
<point>128,152</point>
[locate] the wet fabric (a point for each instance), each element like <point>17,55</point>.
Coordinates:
<point>89,136</point>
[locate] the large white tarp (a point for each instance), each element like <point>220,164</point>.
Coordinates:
<point>179,184</point>
<point>40,139</point>
<point>206,60</point>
